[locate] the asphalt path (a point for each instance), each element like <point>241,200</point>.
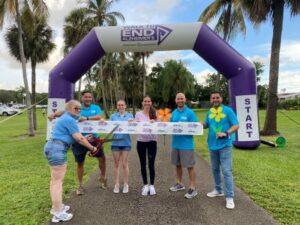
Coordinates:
<point>103,207</point>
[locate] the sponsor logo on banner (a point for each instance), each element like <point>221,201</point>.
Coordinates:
<point>150,33</point>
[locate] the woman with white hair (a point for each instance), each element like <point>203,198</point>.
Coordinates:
<point>65,133</point>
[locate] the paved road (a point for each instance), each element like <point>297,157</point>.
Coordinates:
<point>103,207</point>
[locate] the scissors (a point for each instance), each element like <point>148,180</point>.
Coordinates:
<point>98,142</point>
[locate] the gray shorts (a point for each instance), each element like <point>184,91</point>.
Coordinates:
<point>183,158</point>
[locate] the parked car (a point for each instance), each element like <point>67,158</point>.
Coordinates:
<point>7,111</point>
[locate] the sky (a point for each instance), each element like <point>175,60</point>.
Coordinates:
<point>255,46</point>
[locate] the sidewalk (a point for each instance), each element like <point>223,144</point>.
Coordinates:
<point>103,207</point>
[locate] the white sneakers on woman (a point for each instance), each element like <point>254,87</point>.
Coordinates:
<point>148,189</point>
<point>61,216</point>
<point>125,189</point>
<point>152,190</point>
<point>145,190</point>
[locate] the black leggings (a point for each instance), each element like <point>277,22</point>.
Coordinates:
<point>142,148</point>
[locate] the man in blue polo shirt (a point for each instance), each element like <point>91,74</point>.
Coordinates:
<point>182,154</point>
<point>222,123</point>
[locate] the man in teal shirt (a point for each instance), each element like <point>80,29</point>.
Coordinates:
<point>89,111</point>
<point>222,123</point>
<point>183,154</point>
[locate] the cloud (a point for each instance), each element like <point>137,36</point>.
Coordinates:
<point>290,79</point>
<point>161,57</point>
<point>289,53</point>
<point>257,58</point>
<point>202,76</point>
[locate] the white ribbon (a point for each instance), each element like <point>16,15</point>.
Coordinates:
<point>178,128</point>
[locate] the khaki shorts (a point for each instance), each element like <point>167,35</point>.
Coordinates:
<point>183,158</point>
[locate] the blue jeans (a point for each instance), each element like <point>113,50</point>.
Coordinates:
<point>222,159</point>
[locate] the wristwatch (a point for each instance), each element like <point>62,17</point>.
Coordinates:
<point>228,135</point>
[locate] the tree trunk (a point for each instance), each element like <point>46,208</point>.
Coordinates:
<point>79,89</point>
<point>270,126</point>
<point>33,96</point>
<point>102,89</point>
<point>117,92</point>
<point>133,106</point>
<point>144,75</point>
<point>28,100</point>
<point>218,81</point>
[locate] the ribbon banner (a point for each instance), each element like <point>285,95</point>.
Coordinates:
<point>179,128</point>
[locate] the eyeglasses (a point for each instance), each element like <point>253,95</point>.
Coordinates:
<point>77,108</point>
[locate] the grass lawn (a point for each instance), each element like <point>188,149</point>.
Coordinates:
<point>270,176</point>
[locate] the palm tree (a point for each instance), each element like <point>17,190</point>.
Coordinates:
<point>99,11</point>
<point>142,55</point>
<point>258,12</point>
<point>131,80</point>
<point>12,8</point>
<point>37,47</point>
<point>76,27</point>
<point>231,21</point>
<point>174,78</point>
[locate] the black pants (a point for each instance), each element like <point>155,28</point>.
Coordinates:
<point>150,149</point>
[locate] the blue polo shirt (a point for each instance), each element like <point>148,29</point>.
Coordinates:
<point>64,127</point>
<point>92,110</point>
<point>183,142</point>
<point>127,141</point>
<point>220,120</point>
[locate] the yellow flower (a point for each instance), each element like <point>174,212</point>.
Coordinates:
<point>217,114</point>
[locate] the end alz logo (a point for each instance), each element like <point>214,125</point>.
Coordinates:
<point>145,33</point>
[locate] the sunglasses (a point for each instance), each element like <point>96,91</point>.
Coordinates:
<point>77,108</point>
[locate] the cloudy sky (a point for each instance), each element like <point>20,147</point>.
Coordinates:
<point>256,45</point>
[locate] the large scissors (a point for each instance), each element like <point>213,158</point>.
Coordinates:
<point>98,142</point>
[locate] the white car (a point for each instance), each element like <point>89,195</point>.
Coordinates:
<point>7,111</point>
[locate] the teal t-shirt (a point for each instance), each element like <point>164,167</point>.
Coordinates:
<point>92,110</point>
<point>220,120</point>
<point>183,142</point>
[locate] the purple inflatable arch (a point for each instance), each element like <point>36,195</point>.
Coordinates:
<point>197,36</point>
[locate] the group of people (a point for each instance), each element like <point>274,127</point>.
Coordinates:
<point>221,121</point>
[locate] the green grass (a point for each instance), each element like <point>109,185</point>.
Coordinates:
<point>270,176</point>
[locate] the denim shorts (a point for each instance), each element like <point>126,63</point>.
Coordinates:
<point>56,152</point>
<point>120,148</point>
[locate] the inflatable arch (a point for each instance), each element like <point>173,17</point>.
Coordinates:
<point>197,36</point>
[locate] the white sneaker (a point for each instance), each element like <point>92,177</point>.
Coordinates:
<point>191,194</point>
<point>145,190</point>
<point>125,188</point>
<point>152,190</point>
<point>214,193</point>
<point>116,189</point>
<point>230,203</point>
<point>65,208</point>
<point>62,216</point>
